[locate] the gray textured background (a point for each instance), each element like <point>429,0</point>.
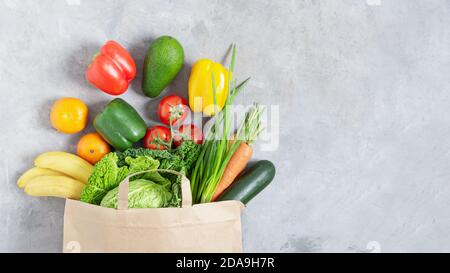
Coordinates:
<point>363,90</point>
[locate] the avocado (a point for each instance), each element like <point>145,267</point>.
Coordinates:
<point>163,61</point>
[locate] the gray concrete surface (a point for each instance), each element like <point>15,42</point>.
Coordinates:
<point>362,85</point>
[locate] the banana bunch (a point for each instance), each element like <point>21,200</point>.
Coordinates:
<point>58,174</point>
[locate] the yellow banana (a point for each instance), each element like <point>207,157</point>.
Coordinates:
<point>33,172</point>
<point>57,186</point>
<point>66,163</point>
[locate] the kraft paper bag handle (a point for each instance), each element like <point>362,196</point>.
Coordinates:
<point>186,195</point>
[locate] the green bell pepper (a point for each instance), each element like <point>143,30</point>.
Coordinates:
<point>120,125</point>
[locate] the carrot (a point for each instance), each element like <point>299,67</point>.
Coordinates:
<point>235,166</point>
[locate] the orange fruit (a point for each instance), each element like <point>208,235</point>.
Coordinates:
<point>92,147</point>
<point>69,115</point>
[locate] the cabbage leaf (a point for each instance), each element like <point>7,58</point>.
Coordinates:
<point>107,175</point>
<point>142,193</point>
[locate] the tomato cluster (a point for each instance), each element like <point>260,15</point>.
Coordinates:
<point>172,111</point>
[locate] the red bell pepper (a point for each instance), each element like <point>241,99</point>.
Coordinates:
<point>112,69</point>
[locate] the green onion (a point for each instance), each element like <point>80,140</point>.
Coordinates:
<point>217,150</point>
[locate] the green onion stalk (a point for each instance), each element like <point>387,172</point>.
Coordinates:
<point>217,148</point>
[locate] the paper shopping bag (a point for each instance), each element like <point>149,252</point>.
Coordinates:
<point>209,227</point>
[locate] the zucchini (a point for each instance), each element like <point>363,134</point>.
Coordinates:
<point>250,183</point>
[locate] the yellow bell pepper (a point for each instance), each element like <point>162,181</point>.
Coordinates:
<point>201,98</point>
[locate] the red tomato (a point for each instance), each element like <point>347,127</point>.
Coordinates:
<point>112,69</point>
<point>157,138</point>
<point>173,106</point>
<point>188,132</point>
